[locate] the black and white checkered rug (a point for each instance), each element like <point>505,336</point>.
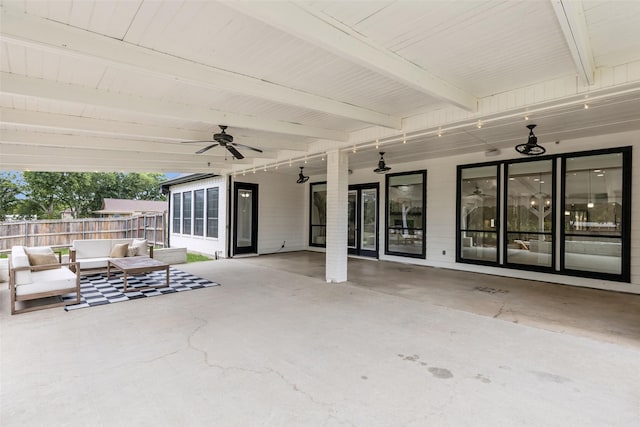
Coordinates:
<point>95,289</point>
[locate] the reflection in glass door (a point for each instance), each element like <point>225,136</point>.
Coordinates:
<point>245,219</point>
<point>363,220</point>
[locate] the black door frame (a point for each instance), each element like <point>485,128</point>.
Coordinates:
<point>253,249</point>
<point>357,250</point>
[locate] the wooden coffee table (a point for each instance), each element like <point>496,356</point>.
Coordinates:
<point>137,265</point>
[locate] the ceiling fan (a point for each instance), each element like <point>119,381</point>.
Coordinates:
<point>531,148</point>
<point>223,139</point>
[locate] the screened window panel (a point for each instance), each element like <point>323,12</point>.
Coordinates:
<point>212,212</point>
<point>177,197</point>
<point>186,212</point>
<point>198,213</point>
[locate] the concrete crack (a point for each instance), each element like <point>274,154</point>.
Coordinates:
<point>266,371</point>
<point>500,310</point>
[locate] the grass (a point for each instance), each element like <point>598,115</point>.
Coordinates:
<point>196,257</point>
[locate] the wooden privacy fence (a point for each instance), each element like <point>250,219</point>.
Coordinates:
<point>64,232</point>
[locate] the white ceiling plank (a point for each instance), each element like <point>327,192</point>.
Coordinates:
<point>115,130</point>
<point>324,31</point>
<point>572,20</point>
<point>37,88</point>
<point>60,39</point>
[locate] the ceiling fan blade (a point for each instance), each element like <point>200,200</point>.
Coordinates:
<point>202,150</point>
<point>191,142</point>
<point>234,152</point>
<point>247,147</point>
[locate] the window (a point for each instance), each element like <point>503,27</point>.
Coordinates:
<point>587,235</point>
<point>186,212</point>
<point>318,215</point>
<point>176,212</point>
<point>530,213</point>
<point>478,213</point>
<point>405,205</point>
<point>198,213</point>
<point>595,213</point>
<point>212,212</point>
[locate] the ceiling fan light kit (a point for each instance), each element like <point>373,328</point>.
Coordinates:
<point>531,147</point>
<point>382,167</point>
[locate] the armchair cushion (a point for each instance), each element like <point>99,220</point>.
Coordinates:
<point>19,260</point>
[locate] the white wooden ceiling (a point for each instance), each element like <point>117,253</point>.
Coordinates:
<point>118,85</point>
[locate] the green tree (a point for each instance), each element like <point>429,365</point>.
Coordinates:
<point>50,193</point>
<point>10,189</point>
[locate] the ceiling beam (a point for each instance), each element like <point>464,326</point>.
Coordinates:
<point>119,133</point>
<point>570,14</point>
<point>61,92</point>
<point>337,38</point>
<point>45,165</point>
<point>42,34</point>
<point>74,155</point>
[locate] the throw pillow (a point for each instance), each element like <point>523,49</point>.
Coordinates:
<point>42,256</point>
<point>140,245</point>
<point>132,251</point>
<point>119,250</point>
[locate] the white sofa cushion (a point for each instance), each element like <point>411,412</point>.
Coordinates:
<point>48,280</point>
<point>19,258</point>
<point>92,248</point>
<point>89,263</point>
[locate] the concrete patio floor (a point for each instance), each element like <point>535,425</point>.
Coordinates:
<point>275,345</point>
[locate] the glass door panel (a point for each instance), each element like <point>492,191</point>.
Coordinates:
<point>369,219</point>
<point>245,219</point>
<point>352,202</point>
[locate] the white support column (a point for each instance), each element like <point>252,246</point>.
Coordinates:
<point>337,189</point>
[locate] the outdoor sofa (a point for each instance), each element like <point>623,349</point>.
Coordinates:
<point>92,254</point>
<point>36,272</point>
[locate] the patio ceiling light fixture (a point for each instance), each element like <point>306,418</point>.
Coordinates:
<point>382,167</point>
<point>301,178</point>
<point>531,148</point>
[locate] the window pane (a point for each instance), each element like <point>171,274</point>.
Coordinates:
<point>405,203</point>
<point>479,246</point>
<point>318,214</point>
<point>530,213</point>
<point>593,199</point>
<point>593,213</point>
<point>529,249</point>
<point>212,212</point>
<point>176,212</point>
<point>598,254</point>
<point>479,213</point>
<point>479,198</point>
<point>198,213</point>
<point>186,213</point>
